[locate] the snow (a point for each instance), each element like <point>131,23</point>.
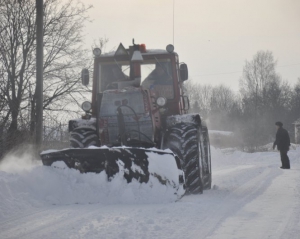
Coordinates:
<point>85,123</point>
<point>269,147</point>
<point>217,132</point>
<point>149,51</point>
<point>187,118</point>
<point>38,186</point>
<point>56,150</point>
<point>137,57</point>
<point>156,51</point>
<point>251,198</point>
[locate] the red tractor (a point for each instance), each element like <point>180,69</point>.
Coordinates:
<point>139,108</point>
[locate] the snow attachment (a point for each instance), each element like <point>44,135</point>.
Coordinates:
<point>142,165</point>
<point>83,137</point>
<point>207,176</point>
<point>184,140</point>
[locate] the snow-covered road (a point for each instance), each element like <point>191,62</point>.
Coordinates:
<point>251,198</point>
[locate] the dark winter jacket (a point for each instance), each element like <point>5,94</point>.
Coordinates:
<point>282,140</point>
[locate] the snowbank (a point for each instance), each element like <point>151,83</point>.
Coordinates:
<point>25,184</point>
<point>251,198</point>
<point>269,147</point>
<point>218,132</point>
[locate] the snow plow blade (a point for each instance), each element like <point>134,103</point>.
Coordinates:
<point>134,163</point>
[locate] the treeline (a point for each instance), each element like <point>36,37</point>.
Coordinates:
<point>263,98</point>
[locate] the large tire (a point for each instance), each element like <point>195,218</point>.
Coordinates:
<point>83,137</point>
<point>207,176</point>
<point>184,140</point>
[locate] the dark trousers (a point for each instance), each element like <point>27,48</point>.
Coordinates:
<point>284,159</point>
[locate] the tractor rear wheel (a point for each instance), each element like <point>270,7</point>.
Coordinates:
<point>83,137</point>
<point>184,140</point>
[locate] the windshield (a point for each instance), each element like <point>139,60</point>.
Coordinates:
<point>155,74</point>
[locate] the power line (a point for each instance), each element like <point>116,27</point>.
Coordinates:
<point>290,65</point>
<point>235,72</point>
<point>223,73</point>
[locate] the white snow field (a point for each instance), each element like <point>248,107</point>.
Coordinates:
<point>251,198</point>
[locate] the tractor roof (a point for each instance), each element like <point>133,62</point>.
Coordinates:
<point>122,51</point>
<point>148,52</point>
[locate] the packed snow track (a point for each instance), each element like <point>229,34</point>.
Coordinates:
<point>251,198</point>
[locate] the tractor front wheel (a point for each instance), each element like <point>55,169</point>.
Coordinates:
<point>83,137</point>
<point>185,141</point>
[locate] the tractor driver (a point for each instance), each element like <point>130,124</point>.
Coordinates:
<point>156,76</point>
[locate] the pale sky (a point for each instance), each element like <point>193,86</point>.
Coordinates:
<point>214,37</point>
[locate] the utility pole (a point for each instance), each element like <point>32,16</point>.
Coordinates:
<point>39,73</point>
<point>256,123</point>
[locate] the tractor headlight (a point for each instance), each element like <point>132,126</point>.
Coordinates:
<point>97,52</point>
<point>161,101</point>
<point>86,106</point>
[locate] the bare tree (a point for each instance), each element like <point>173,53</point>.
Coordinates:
<point>258,73</point>
<point>265,97</point>
<point>200,97</point>
<point>295,103</point>
<point>222,98</point>
<point>101,43</point>
<point>63,57</point>
<point>214,104</point>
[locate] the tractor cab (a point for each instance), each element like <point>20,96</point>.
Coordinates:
<point>154,74</point>
<point>157,71</point>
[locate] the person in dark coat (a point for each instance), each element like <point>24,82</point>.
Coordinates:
<point>283,145</point>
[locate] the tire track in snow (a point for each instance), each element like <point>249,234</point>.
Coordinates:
<point>273,214</point>
<point>23,215</point>
<point>49,223</point>
<point>191,218</point>
<point>231,203</point>
<point>293,225</point>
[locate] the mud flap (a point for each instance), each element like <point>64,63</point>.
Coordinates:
<point>143,165</point>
